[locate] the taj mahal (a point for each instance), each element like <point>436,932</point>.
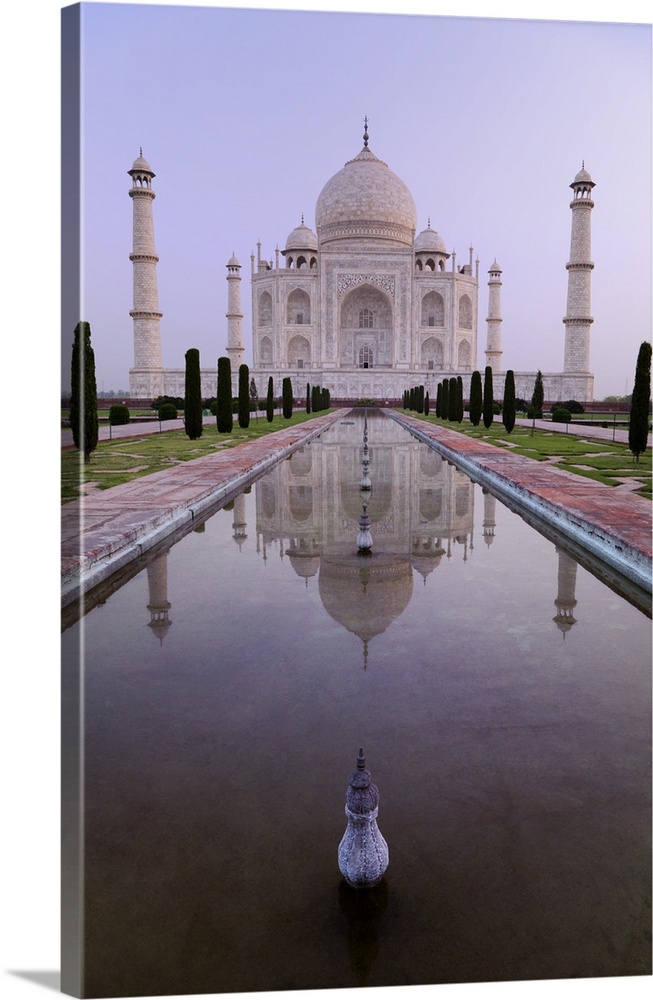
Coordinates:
<point>363,305</point>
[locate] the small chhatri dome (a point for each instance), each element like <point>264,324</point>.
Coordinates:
<point>495,268</point>
<point>233,261</point>
<point>141,166</point>
<point>582,177</point>
<point>301,238</point>
<point>429,241</point>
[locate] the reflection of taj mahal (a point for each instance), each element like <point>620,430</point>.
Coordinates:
<point>366,305</point>
<point>308,509</point>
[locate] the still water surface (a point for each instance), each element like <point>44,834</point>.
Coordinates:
<point>501,693</point>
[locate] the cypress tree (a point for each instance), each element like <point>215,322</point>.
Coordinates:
<point>427,405</point>
<point>419,401</point>
<point>269,401</point>
<point>253,395</point>
<point>308,397</point>
<point>537,402</point>
<point>286,394</point>
<point>193,395</point>
<point>445,399</point>
<point>314,399</point>
<point>476,399</point>
<point>639,404</point>
<point>451,398</point>
<point>224,412</point>
<point>438,400</point>
<point>243,396</point>
<point>509,401</point>
<point>461,401</point>
<point>488,398</point>
<point>83,392</point>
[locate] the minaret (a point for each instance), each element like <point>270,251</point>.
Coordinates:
<point>578,320</point>
<point>493,350</point>
<point>146,378</point>
<point>235,347</point>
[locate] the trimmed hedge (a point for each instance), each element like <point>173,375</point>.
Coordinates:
<point>118,414</point>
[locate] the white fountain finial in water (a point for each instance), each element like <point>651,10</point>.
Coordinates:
<point>363,853</point>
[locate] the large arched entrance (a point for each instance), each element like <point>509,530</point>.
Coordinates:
<point>366,329</point>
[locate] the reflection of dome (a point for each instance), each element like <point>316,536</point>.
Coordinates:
<point>365,199</point>
<point>365,594</point>
<point>304,566</point>
<point>301,238</point>
<point>429,241</point>
<point>426,557</point>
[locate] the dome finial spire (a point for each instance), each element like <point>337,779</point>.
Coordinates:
<point>365,134</point>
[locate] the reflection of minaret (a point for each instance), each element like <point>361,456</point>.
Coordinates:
<point>489,517</point>
<point>159,605</point>
<point>239,523</point>
<point>565,602</point>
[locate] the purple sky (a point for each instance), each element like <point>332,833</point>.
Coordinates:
<point>474,182</point>
<point>244,115</point>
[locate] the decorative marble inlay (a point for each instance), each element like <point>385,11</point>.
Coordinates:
<point>384,281</point>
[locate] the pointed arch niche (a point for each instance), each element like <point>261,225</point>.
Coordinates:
<point>298,308</point>
<point>366,328</point>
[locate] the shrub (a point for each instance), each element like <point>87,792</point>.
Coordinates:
<point>537,400</point>
<point>167,411</point>
<point>287,397</point>
<point>118,414</point>
<point>177,402</point>
<point>641,402</point>
<point>476,399</point>
<point>244,401</point>
<point>488,398</point>
<point>269,401</point>
<point>83,396</point>
<point>561,415</point>
<point>193,395</point>
<point>509,401</point>
<point>224,411</point>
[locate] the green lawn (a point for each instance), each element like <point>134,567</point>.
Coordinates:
<point>119,461</point>
<point>604,461</point>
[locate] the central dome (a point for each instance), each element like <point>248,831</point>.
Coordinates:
<point>365,200</point>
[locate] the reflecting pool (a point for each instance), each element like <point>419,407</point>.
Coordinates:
<point>501,693</point>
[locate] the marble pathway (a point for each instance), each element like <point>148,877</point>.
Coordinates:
<point>615,525</point>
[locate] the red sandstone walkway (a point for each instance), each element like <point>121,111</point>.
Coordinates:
<point>103,532</point>
<point>615,525</point>
<point>106,530</point>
